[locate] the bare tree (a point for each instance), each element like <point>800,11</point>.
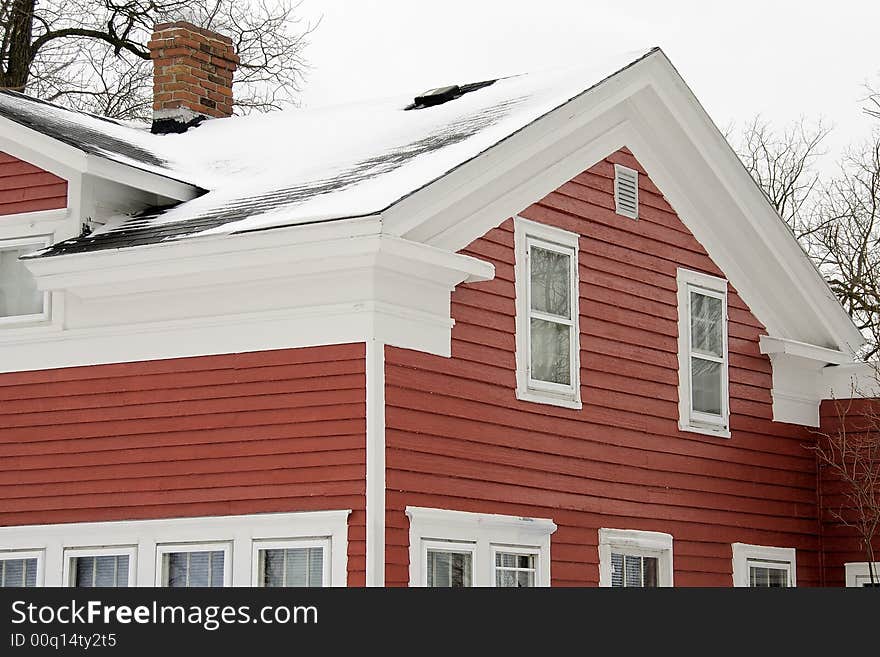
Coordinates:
<point>91,54</point>
<point>846,243</point>
<point>850,454</point>
<point>784,166</point>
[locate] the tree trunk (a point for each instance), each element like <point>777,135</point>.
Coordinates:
<point>18,54</point>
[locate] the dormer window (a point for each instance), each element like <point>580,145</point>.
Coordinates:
<point>20,300</point>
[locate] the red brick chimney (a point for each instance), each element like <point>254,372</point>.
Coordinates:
<point>192,76</point>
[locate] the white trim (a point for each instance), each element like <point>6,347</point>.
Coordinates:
<point>16,554</point>
<point>622,171</point>
<point>166,549</point>
<point>292,544</point>
<point>454,547</point>
<point>526,234</point>
<point>858,574</point>
<point>35,318</point>
<point>850,381</point>
<point>237,531</point>
<point>103,551</point>
<point>649,108</point>
<point>638,543</point>
<point>514,549</point>
<point>484,532</point>
<point>744,555</point>
<point>375,483</point>
<point>689,420</point>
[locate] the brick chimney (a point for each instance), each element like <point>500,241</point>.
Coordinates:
<point>192,76</point>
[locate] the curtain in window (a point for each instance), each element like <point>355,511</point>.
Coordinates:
<point>515,570</point>
<point>449,569</point>
<point>293,567</point>
<point>101,571</point>
<point>191,569</point>
<point>18,572</point>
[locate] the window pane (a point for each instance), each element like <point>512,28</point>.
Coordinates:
<point>18,572</point>
<point>633,571</point>
<point>101,571</point>
<point>706,386</point>
<point>551,352</point>
<point>293,567</point>
<point>706,325</point>
<point>617,570</point>
<point>550,282</point>
<point>764,577</point>
<point>514,570</point>
<point>18,290</point>
<point>449,569</point>
<point>190,569</point>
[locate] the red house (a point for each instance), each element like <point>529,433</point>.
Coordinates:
<point>542,330</point>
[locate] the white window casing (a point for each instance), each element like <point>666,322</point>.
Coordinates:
<point>634,542</point>
<point>14,278</point>
<point>481,534</point>
<point>165,551</point>
<point>25,555</point>
<point>746,556</point>
<point>148,540</point>
<point>553,243</point>
<point>707,290</point>
<point>626,191</point>
<point>858,574</point>
<point>72,554</point>
<point>292,544</point>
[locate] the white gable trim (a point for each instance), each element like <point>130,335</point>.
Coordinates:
<point>648,108</point>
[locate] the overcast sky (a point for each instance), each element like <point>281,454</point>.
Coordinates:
<point>780,58</point>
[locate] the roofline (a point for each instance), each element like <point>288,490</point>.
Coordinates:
<point>77,160</point>
<point>652,75</point>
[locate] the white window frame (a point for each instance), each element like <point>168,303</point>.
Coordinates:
<point>526,234</point>
<point>240,532</point>
<point>746,555</point>
<point>34,318</point>
<point>688,419</point>
<point>292,544</point>
<point>456,547</point>
<point>39,555</point>
<point>857,573</point>
<point>637,543</point>
<point>514,549</point>
<point>104,551</point>
<point>183,548</point>
<point>483,533</point>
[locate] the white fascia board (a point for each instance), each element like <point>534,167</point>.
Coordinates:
<point>287,288</point>
<point>823,355</point>
<point>850,381</point>
<point>215,260</point>
<point>64,160</point>
<point>648,108</point>
<point>140,179</point>
<point>776,236</point>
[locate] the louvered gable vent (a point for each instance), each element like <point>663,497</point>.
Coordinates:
<point>626,191</point>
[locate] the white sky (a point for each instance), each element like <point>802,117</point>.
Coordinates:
<point>779,58</point>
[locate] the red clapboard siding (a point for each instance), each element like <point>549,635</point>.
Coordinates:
<point>842,543</point>
<point>261,432</point>
<point>26,188</point>
<point>458,438</point>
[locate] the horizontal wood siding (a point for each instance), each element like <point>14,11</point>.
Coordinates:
<point>842,543</point>
<point>26,188</point>
<point>459,439</point>
<point>263,432</point>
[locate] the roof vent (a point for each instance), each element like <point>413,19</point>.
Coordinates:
<point>437,96</point>
<point>626,191</point>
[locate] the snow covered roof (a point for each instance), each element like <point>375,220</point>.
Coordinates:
<point>305,166</point>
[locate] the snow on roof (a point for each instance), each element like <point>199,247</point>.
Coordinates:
<point>304,166</point>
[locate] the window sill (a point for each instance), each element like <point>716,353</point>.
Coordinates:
<point>718,432</point>
<point>540,397</point>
